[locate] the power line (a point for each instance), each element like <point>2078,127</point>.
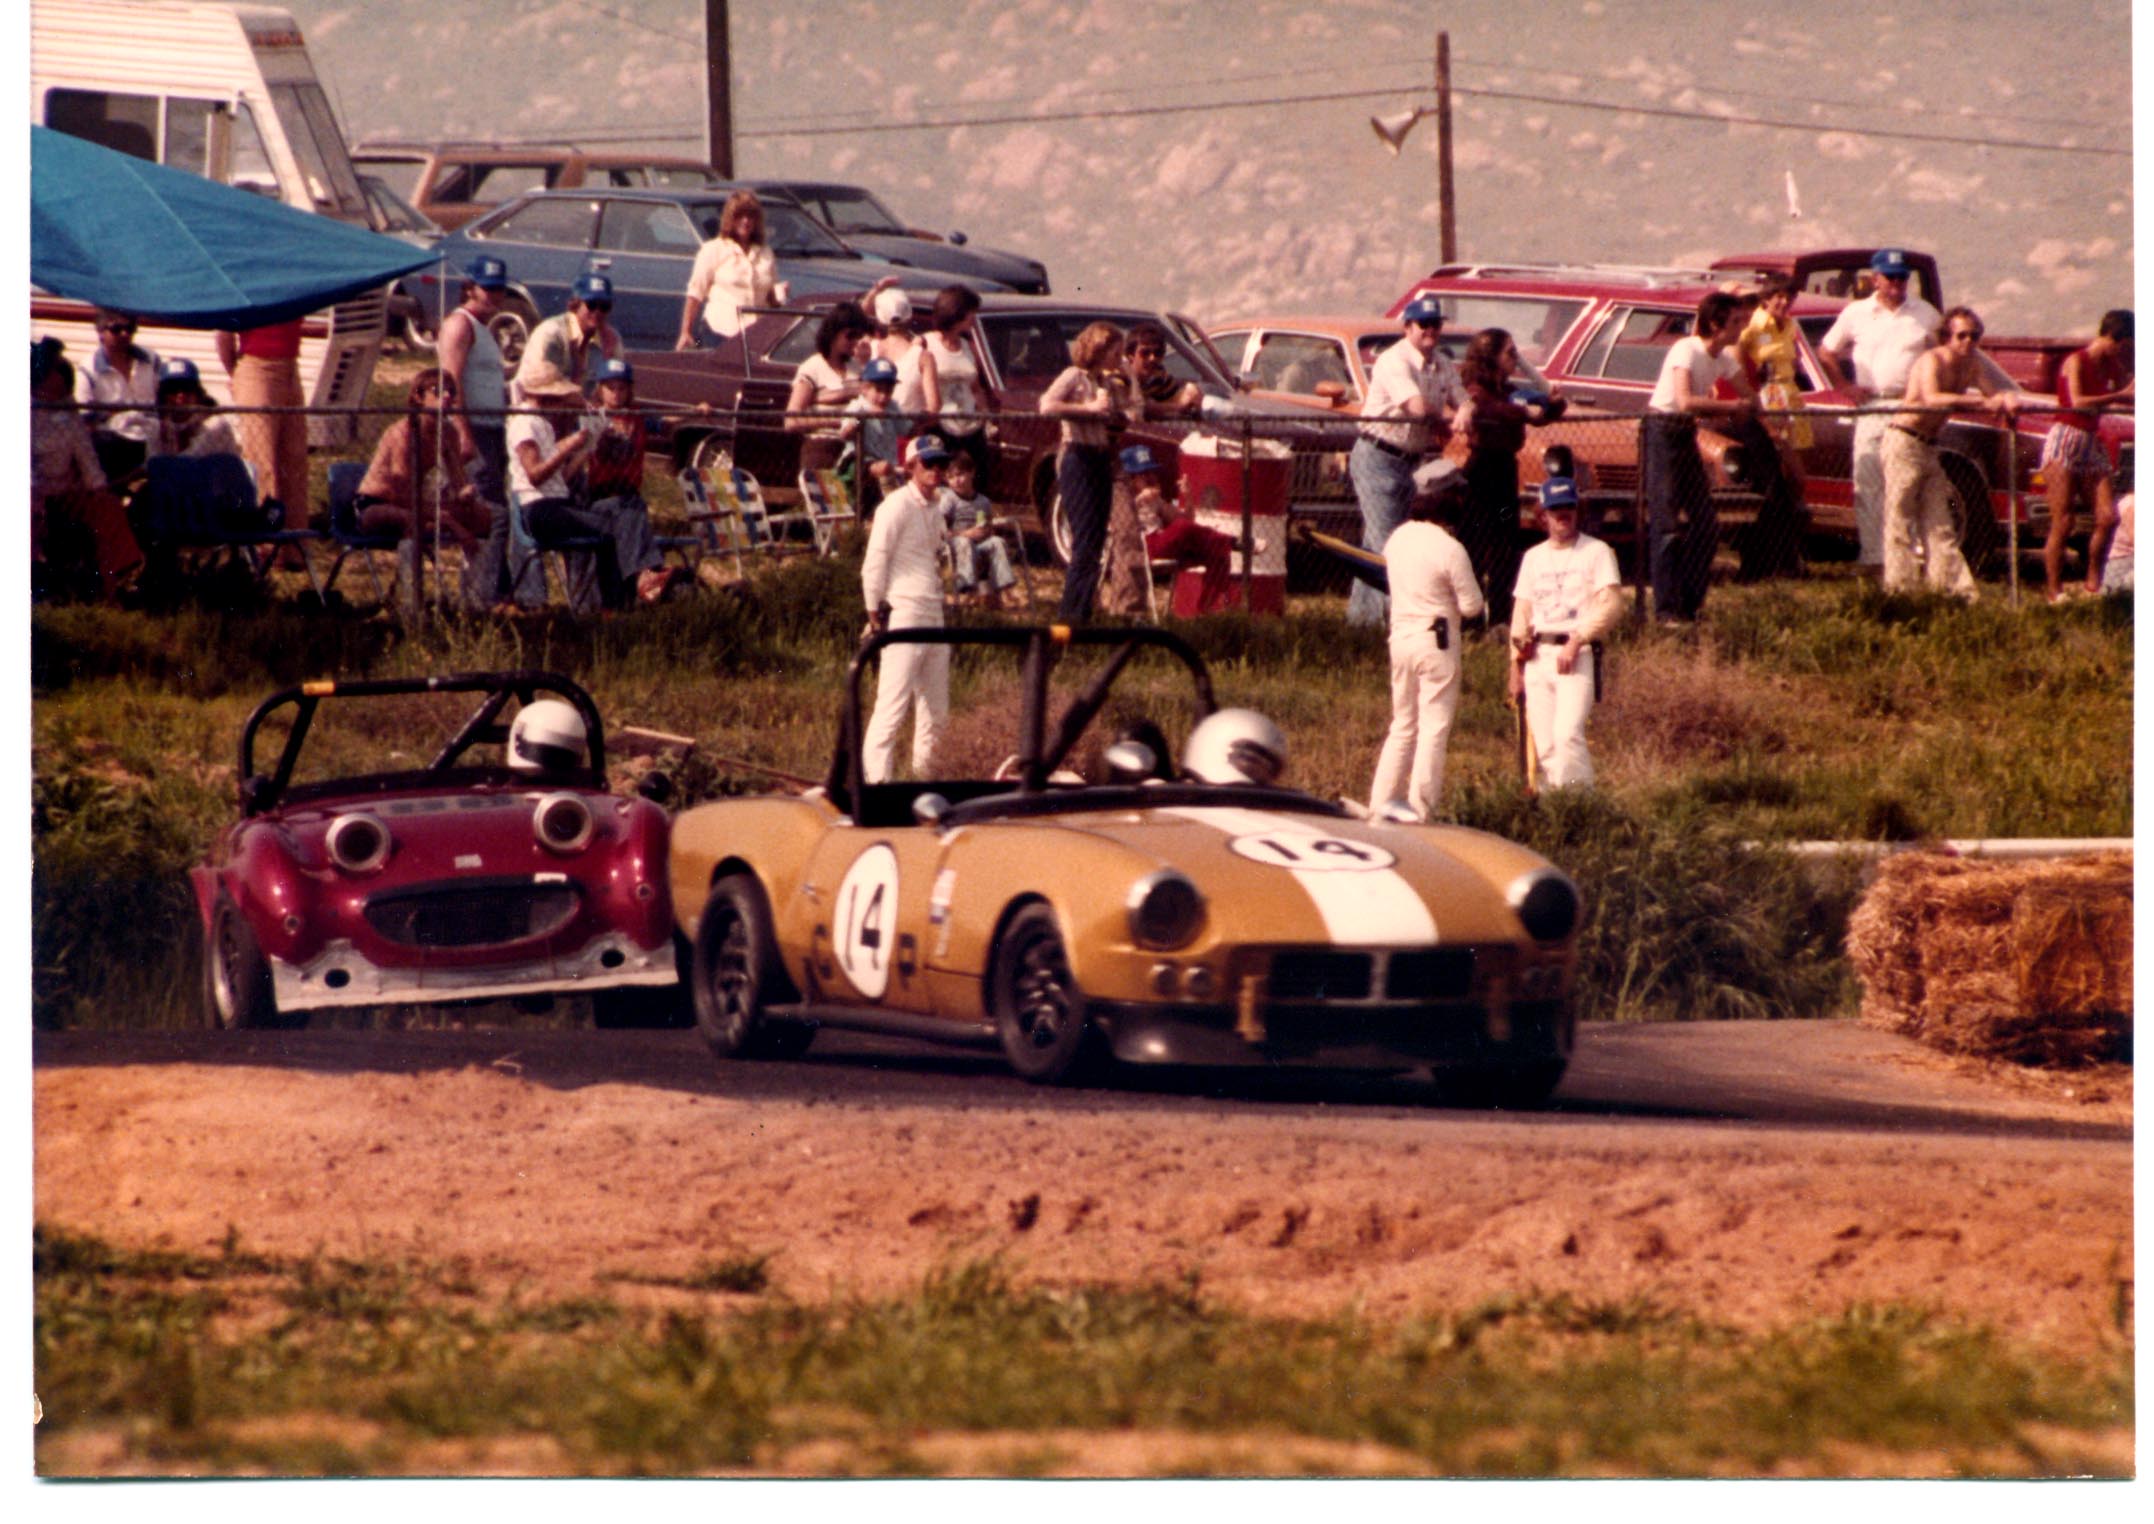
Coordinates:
<point>1021,118</point>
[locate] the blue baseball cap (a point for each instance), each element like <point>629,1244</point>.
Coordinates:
<point>1892,262</point>
<point>925,450</point>
<point>1559,492</point>
<point>175,375</point>
<point>1423,309</point>
<point>613,370</point>
<point>1138,459</point>
<point>487,273</point>
<point>879,372</point>
<point>592,289</point>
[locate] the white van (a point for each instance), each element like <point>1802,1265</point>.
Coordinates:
<point>226,91</point>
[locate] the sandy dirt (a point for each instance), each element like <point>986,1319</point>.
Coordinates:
<point>549,1162</point>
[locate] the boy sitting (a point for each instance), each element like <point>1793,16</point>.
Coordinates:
<point>1171,535</point>
<point>972,536</point>
<point>873,427</point>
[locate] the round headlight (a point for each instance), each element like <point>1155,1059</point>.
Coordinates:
<point>1546,904</point>
<point>358,843</point>
<point>562,823</point>
<point>1165,910</point>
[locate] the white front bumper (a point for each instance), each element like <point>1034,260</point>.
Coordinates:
<point>341,976</point>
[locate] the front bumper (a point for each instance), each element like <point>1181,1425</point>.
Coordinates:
<point>1386,1037</point>
<point>342,976</point>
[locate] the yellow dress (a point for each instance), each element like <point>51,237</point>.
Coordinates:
<point>1770,348</point>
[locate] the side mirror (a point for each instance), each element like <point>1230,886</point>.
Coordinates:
<point>1130,762</point>
<point>929,809</point>
<point>1334,392</point>
<point>656,787</point>
<point>957,237</point>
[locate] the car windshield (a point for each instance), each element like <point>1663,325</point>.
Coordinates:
<point>1537,323</point>
<point>393,213</point>
<point>370,735</point>
<point>849,209</point>
<point>792,232</point>
<point>1031,349</point>
<point>401,176</point>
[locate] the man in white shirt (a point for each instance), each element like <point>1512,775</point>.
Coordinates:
<point>901,583</point>
<point>1413,388</point>
<point>1880,338</point>
<point>118,373</point>
<point>1693,376</point>
<point>572,344</point>
<point>1569,595</point>
<point>1433,589</point>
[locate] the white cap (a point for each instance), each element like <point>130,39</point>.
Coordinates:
<point>892,306</point>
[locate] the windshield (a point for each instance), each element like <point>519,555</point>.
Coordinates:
<point>393,212</point>
<point>399,176</point>
<point>850,209</point>
<point>791,232</point>
<point>1537,323</point>
<point>324,164</point>
<point>1031,349</point>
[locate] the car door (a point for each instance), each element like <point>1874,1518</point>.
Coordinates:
<point>545,242</point>
<point>647,249</point>
<point>868,892</point>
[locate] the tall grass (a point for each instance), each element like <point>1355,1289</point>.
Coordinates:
<point>1814,709</point>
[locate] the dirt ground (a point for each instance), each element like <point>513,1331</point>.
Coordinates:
<point>549,1162</point>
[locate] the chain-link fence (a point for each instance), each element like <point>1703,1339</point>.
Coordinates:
<point>1682,503</point>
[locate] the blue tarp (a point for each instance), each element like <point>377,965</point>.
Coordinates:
<point>182,250</point>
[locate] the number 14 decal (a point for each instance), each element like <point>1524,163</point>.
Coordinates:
<point>866,907</point>
<point>1312,852</point>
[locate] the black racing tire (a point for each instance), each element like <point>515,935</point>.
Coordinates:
<point>1982,538</point>
<point>237,992</point>
<point>511,328</point>
<point>645,1005</point>
<point>1039,1010</point>
<point>1521,1087</point>
<point>737,976</point>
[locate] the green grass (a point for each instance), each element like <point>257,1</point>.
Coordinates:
<point>1820,709</point>
<point>234,1362</point>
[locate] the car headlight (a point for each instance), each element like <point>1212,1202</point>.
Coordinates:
<point>1165,910</point>
<point>562,823</point>
<point>1546,903</point>
<point>358,843</point>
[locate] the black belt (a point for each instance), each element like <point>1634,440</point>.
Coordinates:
<point>1911,433</point>
<point>1391,449</point>
<point>1544,639</point>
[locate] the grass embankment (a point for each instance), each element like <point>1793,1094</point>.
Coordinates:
<point>1814,709</point>
<point>239,1362</point>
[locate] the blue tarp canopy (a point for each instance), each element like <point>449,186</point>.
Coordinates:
<point>174,247</point>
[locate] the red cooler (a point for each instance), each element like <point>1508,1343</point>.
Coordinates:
<point>1212,478</point>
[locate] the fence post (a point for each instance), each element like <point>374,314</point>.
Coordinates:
<point>1641,548</point>
<point>2011,498</point>
<point>1248,521</point>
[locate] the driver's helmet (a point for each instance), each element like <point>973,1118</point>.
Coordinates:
<point>547,737</point>
<point>1235,746</point>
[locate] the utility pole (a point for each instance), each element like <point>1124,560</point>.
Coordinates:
<point>718,89</point>
<point>1444,197</point>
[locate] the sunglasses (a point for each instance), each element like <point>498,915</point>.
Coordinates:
<point>118,327</point>
<point>1149,354</point>
<point>598,306</point>
<point>1967,334</point>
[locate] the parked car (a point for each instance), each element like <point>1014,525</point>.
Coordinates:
<point>454,183</point>
<point>1069,910</point>
<point>459,871</point>
<point>400,219</point>
<point>1021,343</point>
<point>856,215</point>
<point>1319,360</point>
<point>1602,331</point>
<point>646,241</point>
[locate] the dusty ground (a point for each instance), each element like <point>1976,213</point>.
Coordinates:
<point>550,1161</point>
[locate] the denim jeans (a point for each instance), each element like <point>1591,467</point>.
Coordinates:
<point>1384,484</point>
<point>1676,489</point>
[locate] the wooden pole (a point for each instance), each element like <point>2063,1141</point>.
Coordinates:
<point>718,90</point>
<point>1444,197</point>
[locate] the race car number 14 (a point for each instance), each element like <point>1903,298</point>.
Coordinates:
<point>867,920</point>
<point>1307,851</point>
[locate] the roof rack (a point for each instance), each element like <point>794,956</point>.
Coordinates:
<point>464,145</point>
<point>1651,277</point>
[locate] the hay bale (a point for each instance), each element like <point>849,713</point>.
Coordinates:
<point>2030,962</point>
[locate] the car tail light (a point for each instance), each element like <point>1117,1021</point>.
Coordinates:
<point>358,843</point>
<point>562,823</point>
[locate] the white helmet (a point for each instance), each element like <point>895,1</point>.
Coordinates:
<point>547,737</point>
<point>1235,746</point>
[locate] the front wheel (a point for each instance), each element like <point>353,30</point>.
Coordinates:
<point>1982,538</point>
<point>237,990</point>
<point>1039,1011</point>
<point>738,976</point>
<point>511,328</point>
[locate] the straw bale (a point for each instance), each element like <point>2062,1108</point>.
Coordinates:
<point>2024,961</point>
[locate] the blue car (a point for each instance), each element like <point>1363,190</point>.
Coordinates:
<point>646,242</point>
<point>855,214</point>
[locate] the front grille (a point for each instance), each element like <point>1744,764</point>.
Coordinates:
<point>1328,975</point>
<point>1319,976</point>
<point>1433,973</point>
<point>472,912</point>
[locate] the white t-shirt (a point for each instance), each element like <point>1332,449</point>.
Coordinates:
<point>1431,578</point>
<point>1705,368</point>
<point>1399,374</point>
<point>957,373</point>
<point>1885,343</point>
<point>1557,583</point>
<point>538,429</point>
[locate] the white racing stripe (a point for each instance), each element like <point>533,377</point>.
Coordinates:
<point>1376,907</point>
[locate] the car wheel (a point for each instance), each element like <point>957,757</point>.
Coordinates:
<point>1523,1087</point>
<point>1981,536</point>
<point>1059,534</point>
<point>236,986</point>
<point>511,328</point>
<point>737,976</point>
<point>643,1005</point>
<point>1039,1011</point>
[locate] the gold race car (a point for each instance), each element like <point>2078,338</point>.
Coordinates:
<point>1196,915</point>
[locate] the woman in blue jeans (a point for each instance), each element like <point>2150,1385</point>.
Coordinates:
<point>1086,397</point>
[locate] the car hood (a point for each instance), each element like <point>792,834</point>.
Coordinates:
<point>1014,270</point>
<point>812,274</point>
<point>1283,877</point>
<point>476,831</point>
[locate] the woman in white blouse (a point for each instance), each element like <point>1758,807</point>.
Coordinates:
<point>735,269</point>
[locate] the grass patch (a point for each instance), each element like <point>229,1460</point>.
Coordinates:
<point>403,1375</point>
<point>1822,708</point>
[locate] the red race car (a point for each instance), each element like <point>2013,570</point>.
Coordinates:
<point>488,861</point>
